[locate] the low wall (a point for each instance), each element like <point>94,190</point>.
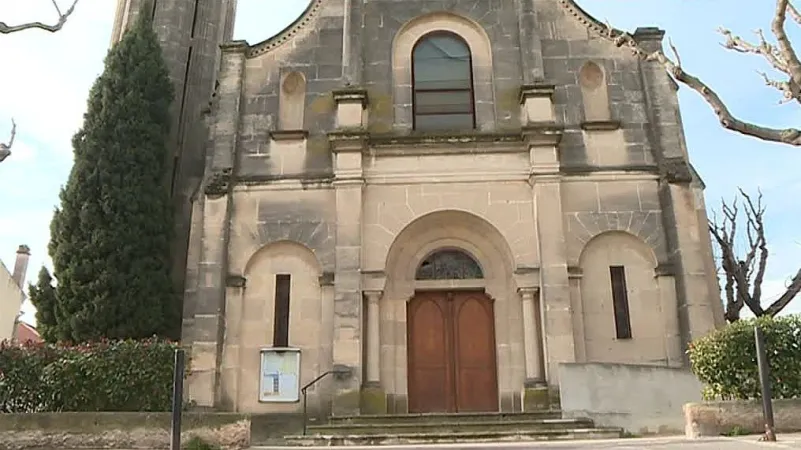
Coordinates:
<point>119,430</point>
<point>739,417</point>
<point>638,398</point>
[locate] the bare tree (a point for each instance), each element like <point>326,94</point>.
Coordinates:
<point>5,149</point>
<point>781,56</point>
<point>744,274</point>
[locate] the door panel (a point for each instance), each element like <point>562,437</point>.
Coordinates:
<point>429,368</point>
<point>451,353</point>
<point>476,385</point>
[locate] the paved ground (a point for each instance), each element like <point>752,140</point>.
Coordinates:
<point>673,443</point>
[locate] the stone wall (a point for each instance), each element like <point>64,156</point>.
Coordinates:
<point>639,399</point>
<point>739,417</point>
<point>119,430</point>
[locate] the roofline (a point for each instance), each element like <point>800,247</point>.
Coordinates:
<point>601,28</point>
<point>284,35</point>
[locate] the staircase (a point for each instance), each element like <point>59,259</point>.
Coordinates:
<point>417,429</point>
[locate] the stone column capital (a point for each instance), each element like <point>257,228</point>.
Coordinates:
<point>373,296</point>
<point>528,293</point>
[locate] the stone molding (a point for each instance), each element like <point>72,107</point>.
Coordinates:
<point>289,32</point>
<point>289,135</point>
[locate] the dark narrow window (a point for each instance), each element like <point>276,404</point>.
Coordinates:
<point>442,71</point>
<point>620,301</point>
<point>281,327</point>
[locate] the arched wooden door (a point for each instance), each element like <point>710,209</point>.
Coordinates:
<point>451,353</point>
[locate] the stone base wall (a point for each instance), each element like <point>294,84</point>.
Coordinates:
<point>739,417</point>
<point>119,430</point>
<point>643,400</point>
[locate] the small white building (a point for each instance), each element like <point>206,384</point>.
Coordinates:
<point>12,292</point>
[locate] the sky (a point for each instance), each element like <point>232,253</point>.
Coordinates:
<point>46,79</point>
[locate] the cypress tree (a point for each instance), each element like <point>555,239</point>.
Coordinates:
<point>110,237</point>
<point>43,296</point>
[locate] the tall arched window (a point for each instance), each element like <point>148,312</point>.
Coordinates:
<point>442,70</point>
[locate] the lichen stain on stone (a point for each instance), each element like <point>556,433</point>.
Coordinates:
<point>507,100</point>
<point>381,116</point>
<point>322,105</point>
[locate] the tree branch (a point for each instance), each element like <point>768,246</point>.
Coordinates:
<point>765,49</point>
<point>754,215</point>
<point>796,16</point>
<point>725,235</point>
<point>62,19</point>
<point>790,136</point>
<point>785,46</point>
<point>792,290</point>
<point>5,149</point>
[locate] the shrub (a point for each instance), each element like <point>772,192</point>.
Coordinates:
<point>103,376</point>
<point>725,360</point>
<point>197,443</point>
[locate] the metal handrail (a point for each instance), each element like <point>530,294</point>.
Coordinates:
<point>312,383</point>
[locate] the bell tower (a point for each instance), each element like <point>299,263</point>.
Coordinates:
<point>190,32</point>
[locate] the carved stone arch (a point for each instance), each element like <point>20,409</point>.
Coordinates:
<point>593,82</point>
<point>477,40</point>
<point>448,229</point>
<point>287,247</point>
<point>616,239</point>
<point>315,235</point>
<point>292,101</point>
<point>644,225</point>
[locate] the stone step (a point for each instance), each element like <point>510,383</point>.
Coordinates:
<point>451,438</point>
<point>447,417</point>
<point>452,426</point>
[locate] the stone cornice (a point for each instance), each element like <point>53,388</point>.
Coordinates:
<point>351,95</point>
<point>289,135</point>
<point>348,141</point>
<point>578,13</point>
<point>536,90</point>
<point>600,125</point>
<point>289,32</point>
<point>443,139</point>
<point>543,133</point>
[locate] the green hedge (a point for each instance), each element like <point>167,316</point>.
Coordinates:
<point>103,376</point>
<point>725,360</point>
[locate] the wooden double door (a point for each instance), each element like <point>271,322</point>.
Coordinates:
<point>451,352</point>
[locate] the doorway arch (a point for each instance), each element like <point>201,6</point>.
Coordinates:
<point>479,278</point>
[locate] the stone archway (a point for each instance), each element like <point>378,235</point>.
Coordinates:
<point>493,294</point>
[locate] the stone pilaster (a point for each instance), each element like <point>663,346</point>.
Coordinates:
<point>558,323</point>
<point>668,304</point>
<point>532,337</point>
<point>535,390</point>
<point>204,320</point>
<point>689,251</point>
<point>530,43</point>
<point>543,135</point>
<point>326,357</point>
<point>348,144</point>
<point>373,338</point>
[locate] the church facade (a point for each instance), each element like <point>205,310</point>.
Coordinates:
<point>440,201</point>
